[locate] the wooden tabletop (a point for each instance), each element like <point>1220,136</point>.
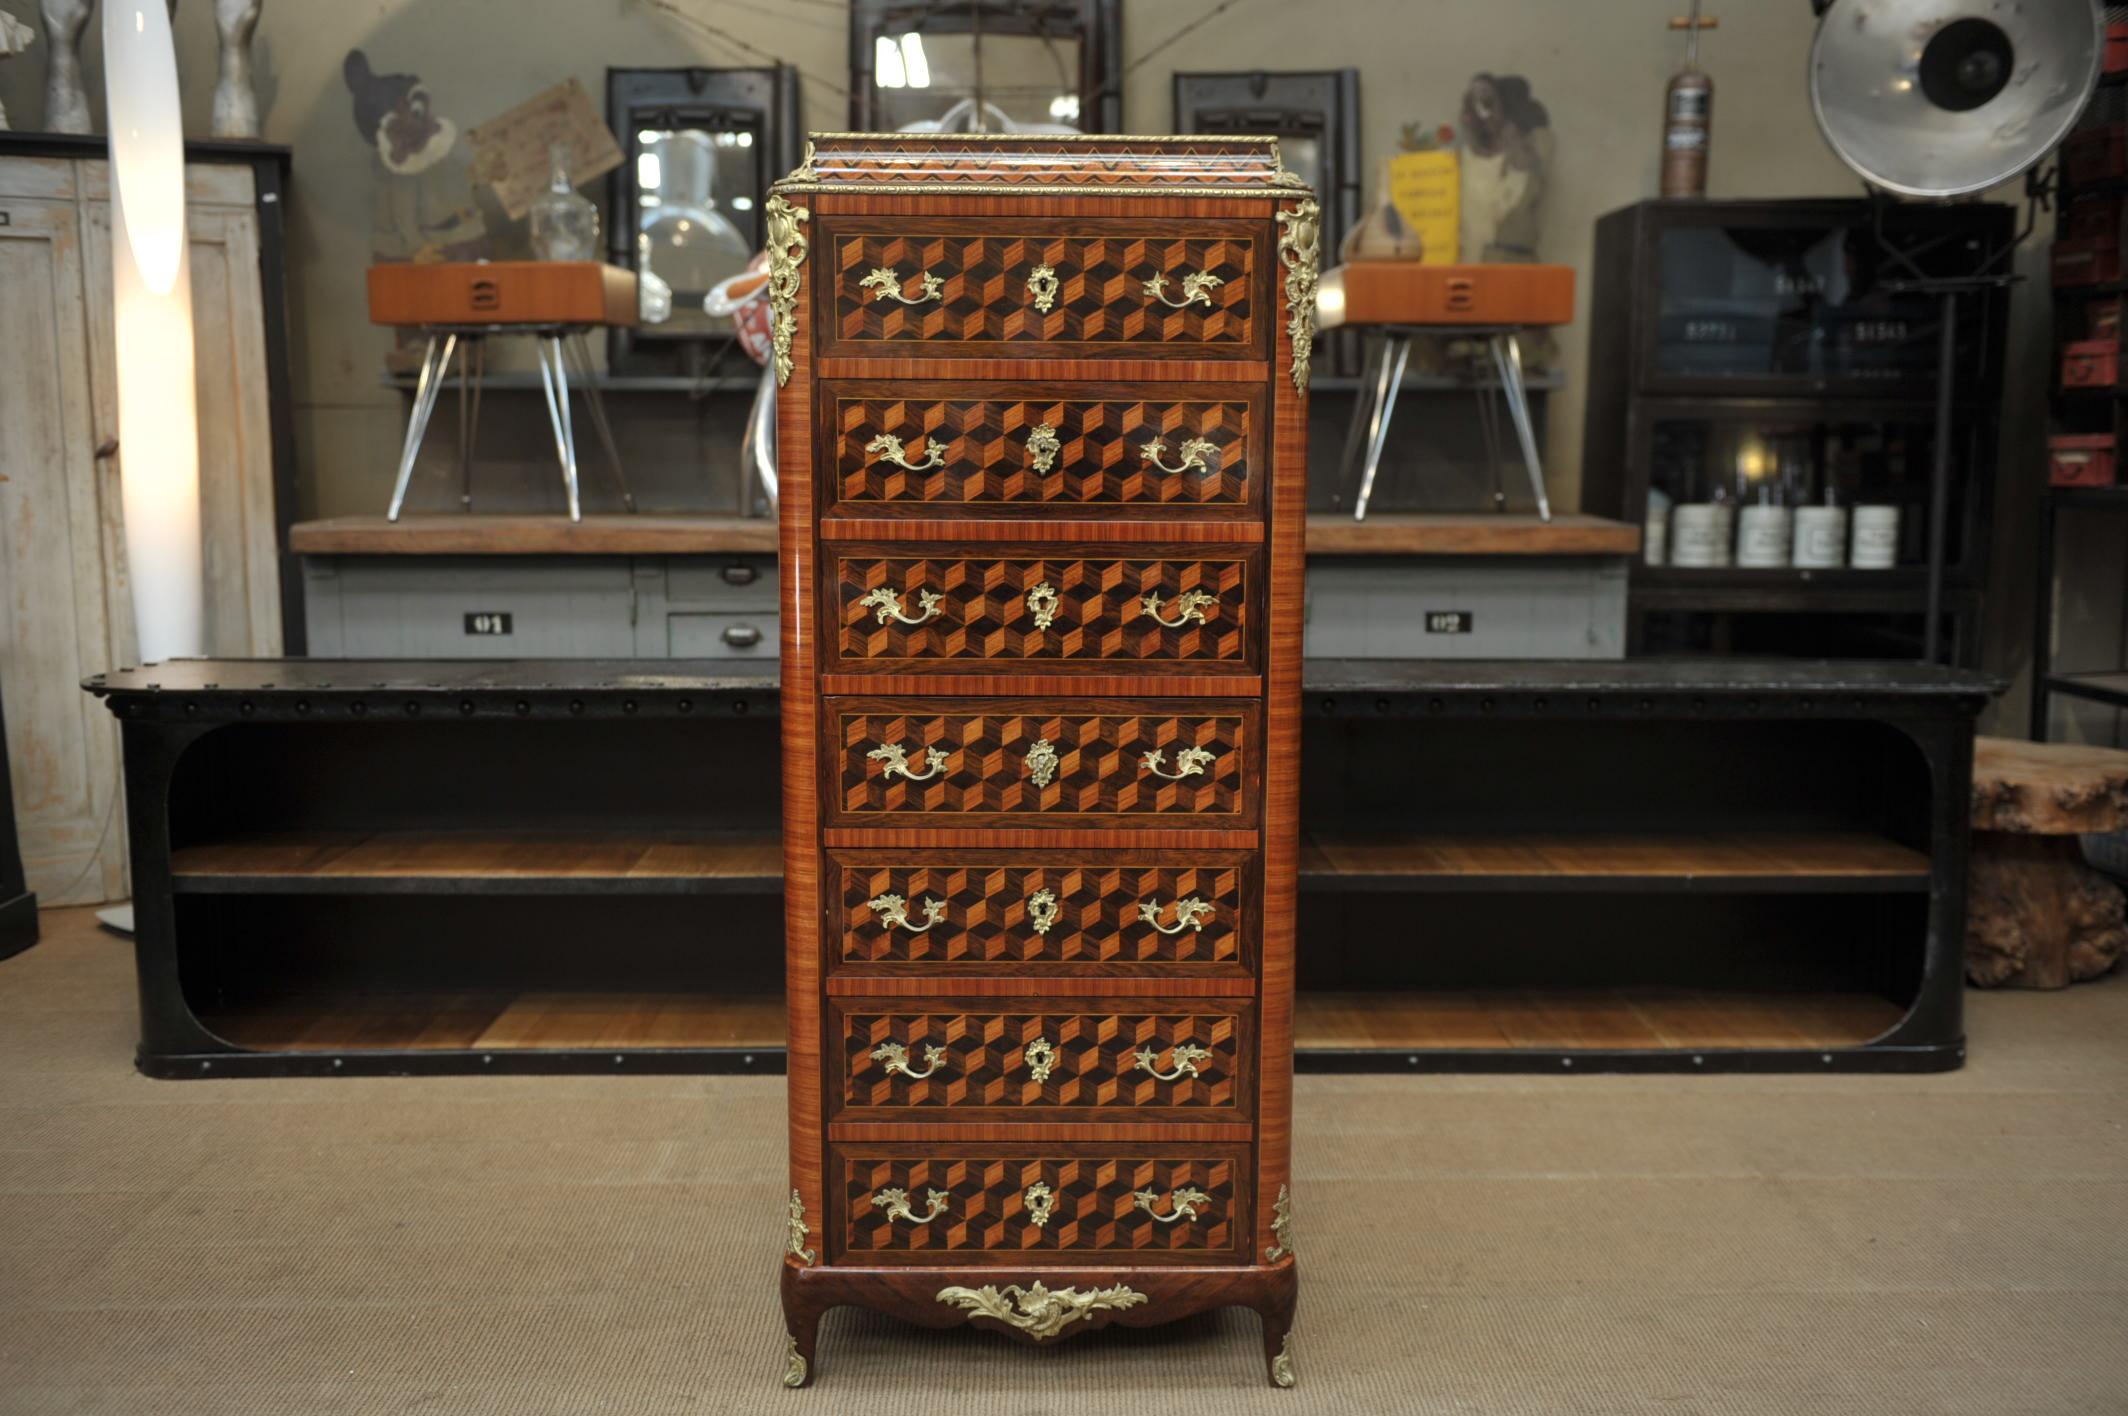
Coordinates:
<point>2048,788</point>
<point>472,534</point>
<point>1482,533</point>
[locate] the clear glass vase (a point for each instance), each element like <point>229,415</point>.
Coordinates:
<point>565,225</point>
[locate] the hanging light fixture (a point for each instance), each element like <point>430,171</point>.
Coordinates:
<point>158,419</point>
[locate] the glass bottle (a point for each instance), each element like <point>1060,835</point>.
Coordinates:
<point>565,225</point>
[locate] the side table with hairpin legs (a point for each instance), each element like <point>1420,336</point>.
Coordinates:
<point>459,306</point>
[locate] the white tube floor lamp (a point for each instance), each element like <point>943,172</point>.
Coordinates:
<point>158,420</point>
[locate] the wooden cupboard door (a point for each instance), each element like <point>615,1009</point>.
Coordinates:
<point>1092,609</point>
<point>239,541</point>
<point>1034,1060</point>
<point>1077,287</point>
<point>983,761</point>
<point>1053,1203</point>
<point>1095,912</point>
<point>60,587</point>
<point>968,450</point>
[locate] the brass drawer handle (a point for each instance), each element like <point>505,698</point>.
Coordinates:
<point>1041,1059</point>
<point>897,1059</point>
<point>888,446</point>
<point>1182,1204</point>
<point>896,1203</point>
<point>1043,447</point>
<point>1187,1056</point>
<point>1042,287</point>
<point>897,761</point>
<point>1043,601</point>
<point>1041,1203</point>
<point>1042,910</point>
<point>885,605</point>
<point>1196,289</point>
<point>1189,605</point>
<point>1189,914</point>
<point>1042,762</point>
<point>1198,455</point>
<point>893,912</point>
<point>1190,762</point>
<point>885,284</point>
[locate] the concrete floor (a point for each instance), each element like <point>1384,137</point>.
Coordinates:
<point>1939,1244</point>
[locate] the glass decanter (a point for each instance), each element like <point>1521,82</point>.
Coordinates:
<point>565,225</point>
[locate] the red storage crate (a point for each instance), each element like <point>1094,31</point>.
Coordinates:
<point>2080,460</point>
<point>2095,154</point>
<point>2086,262</point>
<point>2116,46</point>
<point>2102,319</point>
<point>2092,219</point>
<point>2089,363</point>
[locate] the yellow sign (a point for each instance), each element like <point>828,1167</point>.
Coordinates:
<point>1425,188</point>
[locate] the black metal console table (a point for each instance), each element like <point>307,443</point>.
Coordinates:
<point>346,867</point>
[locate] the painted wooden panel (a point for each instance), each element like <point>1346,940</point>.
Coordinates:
<point>59,585</point>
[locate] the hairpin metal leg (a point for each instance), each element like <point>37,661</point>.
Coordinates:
<point>554,379</point>
<point>599,425</point>
<point>1507,355</point>
<point>472,376</point>
<point>426,387</point>
<point>1488,391</point>
<point>1354,451</point>
<point>1396,353</point>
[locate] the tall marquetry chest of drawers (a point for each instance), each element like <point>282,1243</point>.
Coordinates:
<point>1042,446</point>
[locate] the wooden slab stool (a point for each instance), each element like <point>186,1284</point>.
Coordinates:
<point>2037,916</point>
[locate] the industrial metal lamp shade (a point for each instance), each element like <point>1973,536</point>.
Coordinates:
<point>158,420</point>
<point>1938,98</point>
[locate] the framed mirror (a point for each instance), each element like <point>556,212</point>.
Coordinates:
<point>701,147</point>
<point>1315,115</point>
<point>991,66</point>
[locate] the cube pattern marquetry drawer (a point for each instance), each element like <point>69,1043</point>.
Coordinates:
<point>1091,1061</point>
<point>964,451</point>
<point>1041,433</point>
<point>1178,610</point>
<point>1045,1206</point>
<point>943,912</point>
<point>1138,282</point>
<point>962,760</point>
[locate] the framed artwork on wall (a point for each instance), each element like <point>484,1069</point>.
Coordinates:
<point>1023,66</point>
<point>701,147</point>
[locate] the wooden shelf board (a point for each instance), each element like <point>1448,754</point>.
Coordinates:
<point>473,534</point>
<point>1741,861</point>
<point>414,862</point>
<point>1482,533</point>
<point>1588,1019</point>
<point>498,1021</point>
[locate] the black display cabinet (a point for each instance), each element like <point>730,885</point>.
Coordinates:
<point>1762,348</point>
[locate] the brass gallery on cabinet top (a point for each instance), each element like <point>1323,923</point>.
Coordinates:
<point>1000,162</point>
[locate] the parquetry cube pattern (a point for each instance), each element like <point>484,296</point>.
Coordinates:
<point>1093,1065</point>
<point>986,1208</point>
<point>1099,459</point>
<point>1097,613</point>
<point>981,763</point>
<point>987,917</point>
<point>1101,296</point>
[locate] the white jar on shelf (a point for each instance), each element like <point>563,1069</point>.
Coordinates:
<point>1875,545</point>
<point>1701,534</point>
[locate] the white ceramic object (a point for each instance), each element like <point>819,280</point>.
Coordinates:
<point>236,102</point>
<point>1701,534</point>
<point>66,103</point>
<point>1876,538</point>
<point>1820,537</point>
<point>1764,535</point>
